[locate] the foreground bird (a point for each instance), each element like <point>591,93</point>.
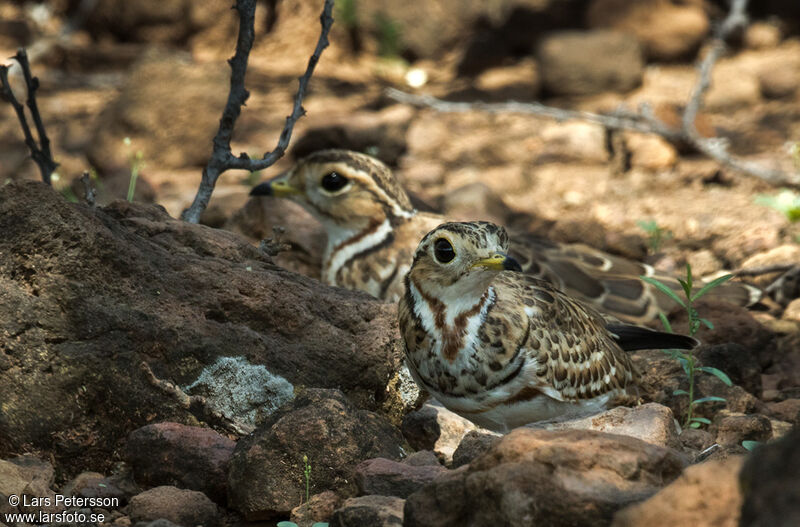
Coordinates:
<point>502,348</point>
<point>373,231</point>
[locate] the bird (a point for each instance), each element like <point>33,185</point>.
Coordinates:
<point>373,231</point>
<point>505,349</point>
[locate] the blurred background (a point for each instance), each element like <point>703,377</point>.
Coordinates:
<point>141,86</point>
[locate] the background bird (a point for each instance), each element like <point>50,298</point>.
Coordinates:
<point>502,348</point>
<point>373,231</point>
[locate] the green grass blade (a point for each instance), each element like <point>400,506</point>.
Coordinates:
<point>687,289</point>
<point>711,285</point>
<point>680,392</point>
<point>707,323</point>
<point>718,374</point>
<point>665,322</point>
<point>702,420</point>
<point>664,289</point>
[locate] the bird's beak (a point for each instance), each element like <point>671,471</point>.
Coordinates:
<point>278,187</point>
<point>499,262</point>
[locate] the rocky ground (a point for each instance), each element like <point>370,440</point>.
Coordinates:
<point>100,304</point>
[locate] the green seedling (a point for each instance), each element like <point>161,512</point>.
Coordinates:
<point>787,202</point>
<point>656,235</point>
<point>136,160</point>
<point>686,359</point>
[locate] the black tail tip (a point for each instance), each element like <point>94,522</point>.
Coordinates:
<point>263,189</point>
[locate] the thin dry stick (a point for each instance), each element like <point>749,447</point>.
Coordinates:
<point>40,155</point>
<point>222,158</point>
<point>196,404</point>
<point>642,121</point>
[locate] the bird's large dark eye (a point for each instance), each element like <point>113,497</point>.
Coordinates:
<point>443,250</point>
<point>333,181</point>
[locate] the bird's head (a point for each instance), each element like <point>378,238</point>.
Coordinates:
<point>461,258</point>
<point>344,190</point>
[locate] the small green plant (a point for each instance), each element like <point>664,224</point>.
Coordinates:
<point>686,358</point>
<point>307,475</point>
<point>136,160</point>
<point>787,202</point>
<point>751,445</point>
<point>293,524</point>
<point>656,235</point>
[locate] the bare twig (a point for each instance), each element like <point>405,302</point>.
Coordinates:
<point>643,120</point>
<point>91,192</point>
<point>196,404</point>
<point>40,155</point>
<point>221,158</point>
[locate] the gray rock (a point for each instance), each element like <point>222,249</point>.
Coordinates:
<point>385,477</point>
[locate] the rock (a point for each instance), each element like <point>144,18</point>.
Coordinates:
<point>554,478</point>
<point>762,35</point>
<point>192,296</point>
<point>650,152</point>
<point>666,30</point>
<point>652,423</point>
<point>575,141</point>
<point>265,478</point>
<point>370,511</point>
<point>792,311</point>
<point>152,21</point>
<point>476,201</point>
<point>732,87</point>
<point>518,82</point>
<point>739,363</point>
<point>696,439</point>
<point>705,495</point>
<point>422,458</point>
<point>187,508</point>
<point>769,484</point>
<point>169,107</point>
<point>734,428</point>
<point>780,428</point>
<point>472,446</point>
<point>389,478</point>
<point>94,485</point>
<point>318,508</point>
<point>381,134</point>
<point>434,427</point>
<point>614,63</point>
<point>788,410</point>
<point>779,83</point>
<point>189,457</point>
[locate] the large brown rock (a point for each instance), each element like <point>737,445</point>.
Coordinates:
<point>186,508</point>
<point>705,495</point>
<point>533,477</point>
<point>266,476</point>
<point>588,62</point>
<point>87,295</point>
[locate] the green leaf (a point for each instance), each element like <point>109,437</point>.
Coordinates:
<point>684,365</point>
<point>665,322</point>
<point>664,289</point>
<point>702,420</point>
<point>750,445</point>
<point>709,399</point>
<point>321,524</point>
<point>689,277</point>
<point>693,424</point>
<point>286,524</point>
<point>718,374</point>
<point>711,285</point>
<point>680,392</point>
<point>707,323</point>
<point>686,288</point>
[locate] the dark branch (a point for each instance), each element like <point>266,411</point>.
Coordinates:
<point>40,155</point>
<point>642,121</point>
<point>196,404</point>
<point>222,158</point>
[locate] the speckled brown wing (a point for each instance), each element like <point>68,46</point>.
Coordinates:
<point>608,282</point>
<point>574,352</point>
